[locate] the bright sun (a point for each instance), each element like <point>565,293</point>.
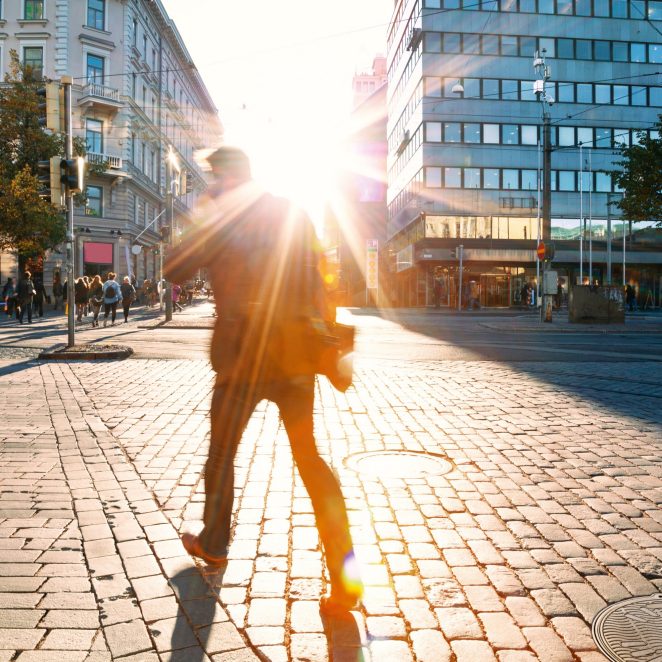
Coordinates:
<point>295,160</point>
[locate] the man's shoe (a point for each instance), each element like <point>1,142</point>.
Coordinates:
<point>334,606</point>
<point>194,548</point>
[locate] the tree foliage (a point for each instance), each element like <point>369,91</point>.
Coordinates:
<point>640,177</point>
<point>28,223</point>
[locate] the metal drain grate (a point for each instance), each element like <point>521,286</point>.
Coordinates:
<point>398,464</point>
<point>631,630</point>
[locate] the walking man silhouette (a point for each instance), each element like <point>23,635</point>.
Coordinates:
<point>262,258</point>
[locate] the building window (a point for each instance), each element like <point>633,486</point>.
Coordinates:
<point>33,59</point>
<point>566,180</point>
<point>602,50</point>
<point>529,180</point>
<point>33,10</point>
<point>135,33</point>
<point>472,178</point>
<point>585,136</point>
<point>510,179</point>
<point>433,132</point>
<point>94,136</point>
<point>491,134</point>
<point>452,178</point>
<point>603,182</point>
<point>452,132</point>
<point>96,14</point>
<point>433,177</point>
<point>491,178</point>
<point>95,67</point>
<point>510,134</point>
<point>638,52</point>
<point>603,94</point>
<point>510,89</point>
<point>472,133</point>
<point>584,93</point>
<point>94,201</point>
<point>145,46</point>
<point>490,88</point>
<point>529,134</point>
<point>566,136</point>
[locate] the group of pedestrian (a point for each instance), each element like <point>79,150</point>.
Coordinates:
<point>27,296</point>
<point>92,293</point>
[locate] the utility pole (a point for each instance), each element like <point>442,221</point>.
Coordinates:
<point>66,82</point>
<point>539,87</point>
<point>167,287</point>
<point>459,288</point>
<point>609,238</point>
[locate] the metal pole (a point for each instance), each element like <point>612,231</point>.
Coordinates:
<point>168,286</point>
<point>546,207</point>
<point>538,231</point>
<point>608,239</point>
<point>161,275</point>
<point>590,220</point>
<point>623,231</point>
<point>71,253</point>
<point>459,289</point>
<point>547,179</point>
<point>581,216</point>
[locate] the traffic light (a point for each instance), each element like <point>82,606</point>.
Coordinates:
<point>72,174</point>
<point>50,106</point>
<point>49,178</point>
<point>549,252</point>
<point>453,253</point>
<point>165,234</point>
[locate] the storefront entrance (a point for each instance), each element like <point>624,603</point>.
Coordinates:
<point>495,290</point>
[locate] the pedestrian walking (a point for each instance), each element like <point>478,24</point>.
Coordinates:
<point>96,298</point>
<point>630,298</point>
<point>24,293</point>
<point>176,293</point>
<point>262,258</point>
<point>39,297</point>
<point>58,292</point>
<point>80,297</point>
<point>9,296</point>
<point>128,295</point>
<point>112,295</point>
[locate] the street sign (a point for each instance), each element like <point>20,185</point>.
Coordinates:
<point>540,251</point>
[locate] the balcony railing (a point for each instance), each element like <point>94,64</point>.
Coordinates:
<point>113,161</point>
<point>101,91</point>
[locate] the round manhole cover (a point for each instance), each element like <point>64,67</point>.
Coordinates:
<point>399,464</point>
<point>631,630</point>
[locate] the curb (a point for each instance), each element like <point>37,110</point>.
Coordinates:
<point>90,352</point>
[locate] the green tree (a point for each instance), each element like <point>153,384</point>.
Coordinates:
<point>29,224</point>
<point>640,178</point>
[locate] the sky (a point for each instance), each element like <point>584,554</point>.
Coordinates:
<point>280,74</point>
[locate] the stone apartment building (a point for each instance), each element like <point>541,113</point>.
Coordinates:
<point>136,98</point>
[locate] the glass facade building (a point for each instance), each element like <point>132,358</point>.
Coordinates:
<point>464,127</point>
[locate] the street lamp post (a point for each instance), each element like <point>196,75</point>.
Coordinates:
<point>172,166</point>
<point>546,101</point>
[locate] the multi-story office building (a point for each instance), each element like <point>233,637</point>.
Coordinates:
<point>137,97</point>
<point>464,128</point>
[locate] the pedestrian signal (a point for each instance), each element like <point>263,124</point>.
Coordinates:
<point>73,174</point>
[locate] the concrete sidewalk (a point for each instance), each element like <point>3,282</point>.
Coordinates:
<point>550,511</point>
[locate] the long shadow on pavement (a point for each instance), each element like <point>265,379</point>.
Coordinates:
<point>17,367</point>
<point>197,611</point>
<point>636,396</point>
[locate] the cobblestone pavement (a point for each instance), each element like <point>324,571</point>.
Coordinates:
<point>551,511</point>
